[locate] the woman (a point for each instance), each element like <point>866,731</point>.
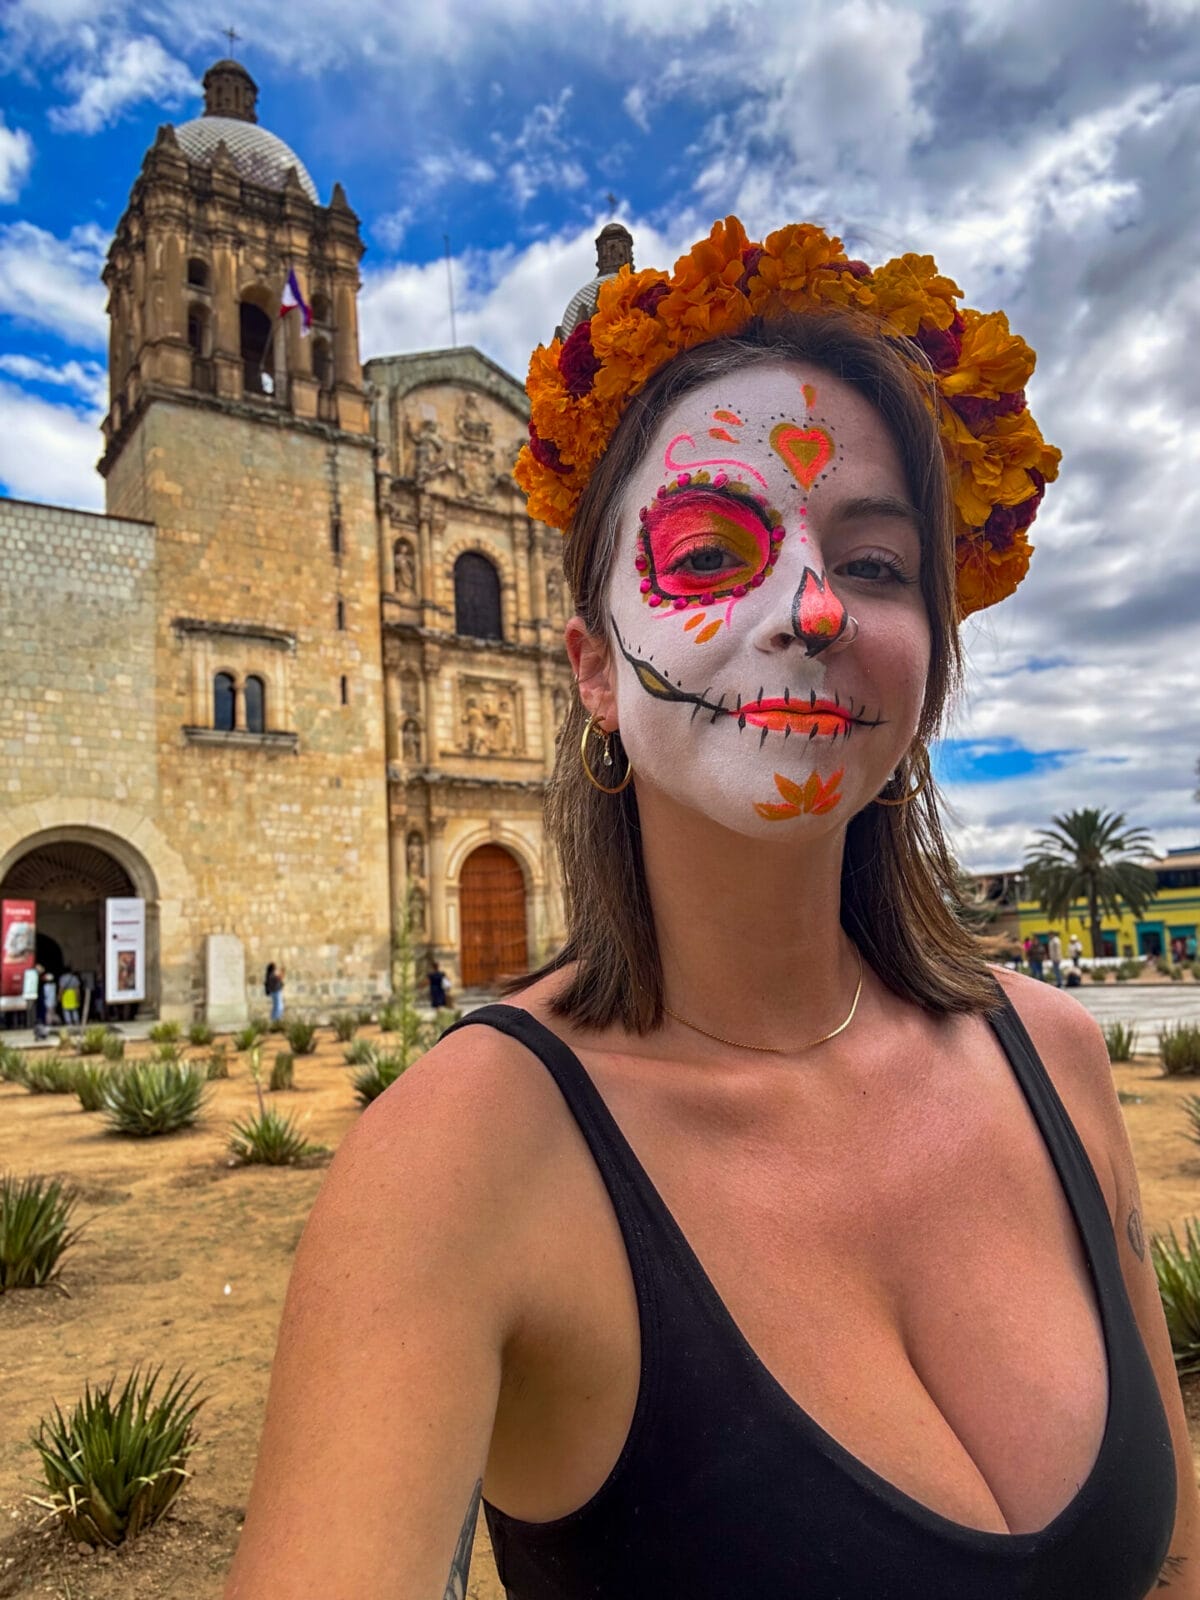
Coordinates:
<point>770,1243</point>
<point>273,985</point>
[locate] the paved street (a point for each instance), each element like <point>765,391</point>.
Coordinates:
<point>1149,1005</point>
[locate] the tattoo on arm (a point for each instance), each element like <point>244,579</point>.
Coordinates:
<point>1137,1237</point>
<point>1172,1567</point>
<point>456,1583</point>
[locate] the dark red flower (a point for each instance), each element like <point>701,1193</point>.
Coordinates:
<point>857,269</point>
<point>1006,521</point>
<point>648,300</point>
<point>545,451</point>
<point>577,361</point>
<point>977,413</point>
<point>751,256</point>
<point>943,346</point>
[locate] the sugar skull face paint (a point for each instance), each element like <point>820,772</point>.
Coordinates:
<point>738,692</point>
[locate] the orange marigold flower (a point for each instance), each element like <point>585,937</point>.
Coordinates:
<point>986,575</point>
<point>910,294</point>
<point>992,361</point>
<point>705,300</point>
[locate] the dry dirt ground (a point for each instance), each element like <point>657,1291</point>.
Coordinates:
<point>173,1225</point>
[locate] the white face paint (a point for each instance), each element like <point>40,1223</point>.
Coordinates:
<point>770,508</point>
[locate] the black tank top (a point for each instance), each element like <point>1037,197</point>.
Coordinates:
<point>726,1490</point>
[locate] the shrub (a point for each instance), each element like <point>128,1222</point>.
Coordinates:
<point>217,1065</point>
<point>282,1071</point>
<point>50,1074</point>
<point>34,1213</point>
<point>1177,1267</point>
<point>167,1054</point>
<point>114,1048</point>
<point>90,1079</point>
<point>91,1040</point>
<point>381,1071</point>
<point>1121,1039</point>
<point>365,1017</point>
<point>200,1034</point>
<point>154,1097</point>
<point>1196,970</point>
<point>1130,968</point>
<point>165,1033</point>
<point>301,1036</point>
<point>1179,1047</point>
<point>343,1024</point>
<point>112,1469</point>
<point>359,1053</point>
<point>389,1019</point>
<point>276,1025</point>
<point>1176,973</point>
<point>271,1139</point>
<point>246,1038</point>
<point>12,1065</point>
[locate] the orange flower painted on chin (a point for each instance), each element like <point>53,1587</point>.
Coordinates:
<point>812,798</point>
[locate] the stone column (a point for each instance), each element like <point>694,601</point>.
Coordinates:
<point>439,933</point>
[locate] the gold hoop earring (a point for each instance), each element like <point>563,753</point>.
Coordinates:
<point>593,726</point>
<point>922,762</point>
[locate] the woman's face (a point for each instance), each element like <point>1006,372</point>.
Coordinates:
<point>770,510</point>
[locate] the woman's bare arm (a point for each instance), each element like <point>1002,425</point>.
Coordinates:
<point>388,1366</point>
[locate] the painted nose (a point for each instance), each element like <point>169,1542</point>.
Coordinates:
<point>818,616</point>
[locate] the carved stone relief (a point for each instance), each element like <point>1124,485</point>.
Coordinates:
<point>411,740</point>
<point>410,692</point>
<point>489,719</point>
<point>404,566</point>
<point>414,856</point>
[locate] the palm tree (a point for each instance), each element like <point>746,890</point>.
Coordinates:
<point>1089,855</point>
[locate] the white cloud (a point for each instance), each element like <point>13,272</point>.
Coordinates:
<point>55,283</point>
<point>128,71</point>
<point>16,158</point>
<point>47,452</point>
<point>455,166</point>
<point>635,106</point>
<point>543,155</point>
<point>87,379</point>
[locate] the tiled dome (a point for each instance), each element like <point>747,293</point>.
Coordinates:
<point>259,156</point>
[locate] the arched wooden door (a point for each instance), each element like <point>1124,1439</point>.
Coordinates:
<point>491,908</point>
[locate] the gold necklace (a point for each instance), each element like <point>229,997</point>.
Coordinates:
<point>771,1049</point>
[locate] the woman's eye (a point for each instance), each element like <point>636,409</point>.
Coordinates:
<point>708,558</point>
<point>876,569</point>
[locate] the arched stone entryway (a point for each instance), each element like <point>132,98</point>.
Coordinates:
<point>492,917</point>
<point>70,873</point>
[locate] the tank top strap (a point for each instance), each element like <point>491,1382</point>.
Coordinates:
<point>639,1208</point>
<point>1071,1160</point>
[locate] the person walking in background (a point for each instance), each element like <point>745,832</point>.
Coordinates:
<point>1037,959</point>
<point>273,985</point>
<point>1056,959</point>
<point>49,999</point>
<point>1075,948</point>
<point>1027,946</point>
<point>1191,947</point>
<point>31,993</point>
<point>438,997</point>
<point>69,992</point>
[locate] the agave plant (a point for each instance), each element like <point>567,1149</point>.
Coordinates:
<point>379,1073</point>
<point>344,1025</point>
<point>301,1036</point>
<point>165,1033</point>
<point>114,1048</point>
<point>113,1467</point>
<point>1121,1039</point>
<point>217,1065</point>
<point>246,1038</point>
<point>154,1097</point>
<point>359,1052</point>
<point>1177,1267</point>
<point>12,1065</point>
<point>91,1040</point>
<point>51,1074</point>
<point>34,1232</point>
<point>200,1034</point>
<point>270,1139</point>
<point>1179,1047</point>
<point>90,1080</point>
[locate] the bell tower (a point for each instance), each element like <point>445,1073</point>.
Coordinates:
<point>245,439</point>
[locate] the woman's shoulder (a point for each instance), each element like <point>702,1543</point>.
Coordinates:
<point>1071,1046</point>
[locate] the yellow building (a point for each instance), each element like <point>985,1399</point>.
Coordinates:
<point>1164,929</point>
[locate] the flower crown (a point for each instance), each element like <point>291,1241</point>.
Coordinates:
<point>998,462</point>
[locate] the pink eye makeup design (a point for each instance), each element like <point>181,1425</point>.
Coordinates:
<point>673,465</point>
<point>701,541</point>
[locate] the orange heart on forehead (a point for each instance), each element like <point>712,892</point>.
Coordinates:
<point>806,451</point>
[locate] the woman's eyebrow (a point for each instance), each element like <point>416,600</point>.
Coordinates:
<point>875,505</point>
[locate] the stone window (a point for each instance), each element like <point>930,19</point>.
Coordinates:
<point>197,273</point>
<point>320,308</point>
<point>224,702</point>
<point>255,336</point>
<point>198,329</point>
<point>255,703</point>
<point>476,597</point>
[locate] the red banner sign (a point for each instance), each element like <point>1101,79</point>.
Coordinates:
<point>18,932</point>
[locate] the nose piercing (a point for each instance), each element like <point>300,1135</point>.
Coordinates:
<point>850,631</point>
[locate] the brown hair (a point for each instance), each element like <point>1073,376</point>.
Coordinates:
<point>900,898</point>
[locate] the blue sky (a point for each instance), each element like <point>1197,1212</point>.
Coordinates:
<point>1043,150</point>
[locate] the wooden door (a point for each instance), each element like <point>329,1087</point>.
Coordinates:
<point>491,908</point>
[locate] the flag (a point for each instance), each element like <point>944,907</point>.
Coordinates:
<point>293,300</point>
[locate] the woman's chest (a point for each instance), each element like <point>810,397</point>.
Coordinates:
<point>903,1264</point>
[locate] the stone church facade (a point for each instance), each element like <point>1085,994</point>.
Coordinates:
<point>303,680</point>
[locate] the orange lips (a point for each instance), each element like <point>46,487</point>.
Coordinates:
<point>819,718</point>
